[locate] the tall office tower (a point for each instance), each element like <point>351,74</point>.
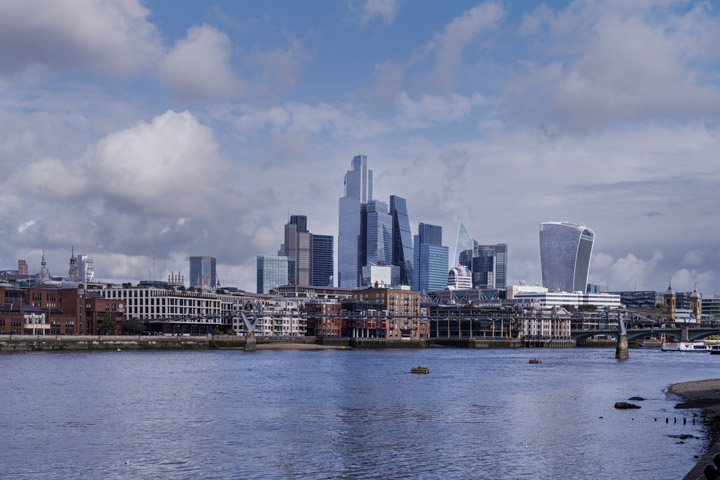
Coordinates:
<point>22,267</point>
<point>299,245</point>
<point>73,270</point>
<point>484,268</point>
<point>352,223</point>
<point>500,253</point>
<point>379,234</point>
<point>323,264</point>
<point>402,249</point>
<point>202,273</point>
<point>86,268</point>
<point>274,271</point>
<point>430,259</point>
<point>463,244</point>
<point>565,251</point>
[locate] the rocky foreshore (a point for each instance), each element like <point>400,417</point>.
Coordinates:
<point>703,394</point>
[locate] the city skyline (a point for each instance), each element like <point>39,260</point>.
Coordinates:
<point>209,123</point>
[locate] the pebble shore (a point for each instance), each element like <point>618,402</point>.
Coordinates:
<point>703,394</point>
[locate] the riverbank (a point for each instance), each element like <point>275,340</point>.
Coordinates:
<point>703,394</point>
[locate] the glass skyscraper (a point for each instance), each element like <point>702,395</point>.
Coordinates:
<point>323,248</point>
<point>565,251</point>
<point>274,271</point>
<point>463,244</point>
<point>498,251</point>
<point>430,259</point>
<point>202,272</point>
<point>484,268</point>
<point>298,245</point>
<point>402,248</point>
<point>378,234</point>
<point>352,231</point>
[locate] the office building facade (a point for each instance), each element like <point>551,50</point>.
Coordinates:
<point>430,262</point>
<point>352,223</point>
<point>202,272</point>
<point>378,234</point>
<point>323,260</point>
<point>463,244</point>
<point>298,245</point>
<point>498,268</point>
<point>402,248</point>
<point>86,268</point>
<point>274,271</point>
<point>565,251</point>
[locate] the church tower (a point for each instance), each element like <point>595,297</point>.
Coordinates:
<point>73,272</point>
<point>696,304</point>
<point>669,298</point>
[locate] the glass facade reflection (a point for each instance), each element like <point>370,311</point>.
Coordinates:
<point>464,243</point>
<point>379,234</point>
<point>352,224</point>
<point>202,272</point>
<point>565,251</point>
<point>323,260</point>
<point>430,259</point>
<point>402,248</point>
<point>274,271</point>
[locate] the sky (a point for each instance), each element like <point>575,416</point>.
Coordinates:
<point>145,132</point>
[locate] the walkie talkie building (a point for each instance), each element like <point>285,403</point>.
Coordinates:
<point>565,251</point>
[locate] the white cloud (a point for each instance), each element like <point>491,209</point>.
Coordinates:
<point>110,36</point>
<point>684,280</point>
<point>450,43</point>
<point>170,166</point>
<point>606,61</point>
<point>628,271</point>
<point>385,9</point>
<point>199,65</point>
<point>434,109</point>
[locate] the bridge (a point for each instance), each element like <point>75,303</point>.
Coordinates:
<point>693,333</point>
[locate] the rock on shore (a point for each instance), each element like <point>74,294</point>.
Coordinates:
<point>703,394</point>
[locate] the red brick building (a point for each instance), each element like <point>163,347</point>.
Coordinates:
<point>324,319</point>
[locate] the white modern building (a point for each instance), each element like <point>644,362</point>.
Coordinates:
<point>573,299</point>
<point>459,278</point>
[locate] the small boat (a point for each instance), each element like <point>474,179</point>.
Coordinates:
<point>535,360</point>
<point>419,369</point>
<point>715,350</point>
<point>684,347</point>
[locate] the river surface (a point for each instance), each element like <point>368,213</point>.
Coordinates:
<point>347,414</point>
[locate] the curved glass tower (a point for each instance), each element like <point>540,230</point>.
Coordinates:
<point>565,250</point>
<point>402,248</point>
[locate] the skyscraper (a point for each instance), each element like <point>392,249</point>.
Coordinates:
<point>353,224</point>
<point>430,262</point>
<point>499,251</point>
<point>323,264</point>
<point>274,271</point>
<point>402,249</point>
<point>22,267</point>
<point>298,245</point>
<point>463,244</point>
<point>378,234</point>
<point>86,268</point>
<point>484,268</point>
<point>565,251</point>
<point>202,272</point>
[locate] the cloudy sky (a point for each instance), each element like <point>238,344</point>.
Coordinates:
<point>143,132</point>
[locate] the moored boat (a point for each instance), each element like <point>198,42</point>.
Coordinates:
<point>684,347</point>
<point>715,350</point>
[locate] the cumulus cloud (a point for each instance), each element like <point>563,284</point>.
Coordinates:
<point>434,109</point>
<point>597,62</point>
<point>198,66</point>
<point>629,271</point>
<point>684,280</point>
<point>385,9</point>
<point>110,36</point>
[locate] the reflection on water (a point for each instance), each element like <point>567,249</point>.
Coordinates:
<point>346,414</point>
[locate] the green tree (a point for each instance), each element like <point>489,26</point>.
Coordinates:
<point>108,325</point>
<point>231,331</point>
<point>215,331</point>
<point>133,326</point>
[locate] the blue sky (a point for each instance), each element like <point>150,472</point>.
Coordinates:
<point>146,132</point>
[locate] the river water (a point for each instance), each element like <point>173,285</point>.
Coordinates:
<point>347,414</point>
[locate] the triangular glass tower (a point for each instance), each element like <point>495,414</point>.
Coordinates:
<point>464,243</point>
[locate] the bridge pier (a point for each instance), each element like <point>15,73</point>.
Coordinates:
<point>622,352</point>
<point>250,343</point>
